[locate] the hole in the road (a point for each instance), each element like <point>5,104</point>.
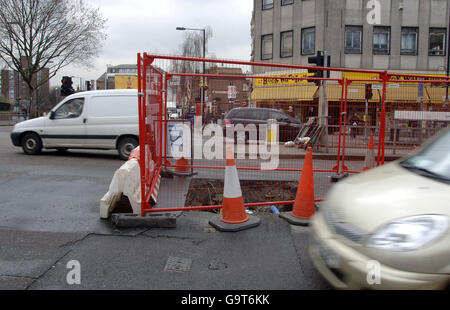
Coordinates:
<point>207,192</point>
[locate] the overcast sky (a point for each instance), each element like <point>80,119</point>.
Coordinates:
<point>149,26</point>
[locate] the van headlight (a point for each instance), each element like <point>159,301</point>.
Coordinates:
<point>410,233</point>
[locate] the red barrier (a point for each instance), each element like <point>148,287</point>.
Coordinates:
<point>338,136</point>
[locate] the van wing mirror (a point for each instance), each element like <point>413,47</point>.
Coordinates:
<point>52,115</point>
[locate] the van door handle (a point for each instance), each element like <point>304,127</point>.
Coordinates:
<point>84,120</point>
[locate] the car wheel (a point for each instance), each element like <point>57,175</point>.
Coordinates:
<point>126,145</point>
<point>31,144</point>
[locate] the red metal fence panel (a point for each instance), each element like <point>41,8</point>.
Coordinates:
<point>336,116</point>
<point>150,128</point>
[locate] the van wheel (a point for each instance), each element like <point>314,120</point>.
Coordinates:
<point>31,144</point>
<point>126,145</point>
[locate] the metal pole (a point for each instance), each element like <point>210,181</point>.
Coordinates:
<point>325,102</point>
<point>366,114</point>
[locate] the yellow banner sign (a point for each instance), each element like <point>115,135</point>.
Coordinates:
<point>360,76</point>
<point>282,80</point>
<point>396,79</point>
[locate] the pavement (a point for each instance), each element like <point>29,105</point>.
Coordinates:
<point>272,256</point>
<point>50,218</point>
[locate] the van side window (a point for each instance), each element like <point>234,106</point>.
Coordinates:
<point>71,109</point>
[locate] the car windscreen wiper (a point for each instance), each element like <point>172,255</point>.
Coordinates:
<point>424,172</point>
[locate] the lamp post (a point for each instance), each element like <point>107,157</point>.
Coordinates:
<point>202,90</point>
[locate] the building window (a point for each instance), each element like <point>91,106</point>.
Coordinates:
<point>381,40</point>
<point>438,41</point>
<point>409,41</point>
<point>353,39</point>
<point>267,4</point>
<point>286,44</point>
<point>286,2</point>
<point>308,41</point>
<point>266,47</point>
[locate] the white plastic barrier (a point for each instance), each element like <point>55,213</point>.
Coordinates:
<point>126,181</point>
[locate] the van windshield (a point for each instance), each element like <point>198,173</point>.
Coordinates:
<point>433,161</point>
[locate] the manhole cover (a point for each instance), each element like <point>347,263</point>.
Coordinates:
<point>177,264</point>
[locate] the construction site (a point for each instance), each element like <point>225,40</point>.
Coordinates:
<point>351,121</point>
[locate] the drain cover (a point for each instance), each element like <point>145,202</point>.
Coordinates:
<point>177,264</point>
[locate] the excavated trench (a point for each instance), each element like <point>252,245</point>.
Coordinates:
<point>204,192</point>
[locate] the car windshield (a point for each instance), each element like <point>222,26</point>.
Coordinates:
<point>433,161</point>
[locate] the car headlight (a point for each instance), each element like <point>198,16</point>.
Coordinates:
<point>410,233</point>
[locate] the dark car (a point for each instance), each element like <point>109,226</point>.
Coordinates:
<point>289,127</point>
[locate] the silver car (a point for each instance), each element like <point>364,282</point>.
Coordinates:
<point>388,228</point>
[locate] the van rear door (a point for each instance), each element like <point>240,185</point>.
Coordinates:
<point>67,128</point>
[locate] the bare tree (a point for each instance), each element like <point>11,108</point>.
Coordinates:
<point>37,34</point>
<point>192,46</point>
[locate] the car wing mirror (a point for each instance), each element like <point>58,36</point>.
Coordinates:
<point>52,115</point>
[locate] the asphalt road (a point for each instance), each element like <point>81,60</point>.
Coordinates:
<point>53,191</point>
<point>50,216</point>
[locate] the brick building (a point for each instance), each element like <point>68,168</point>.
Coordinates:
<point>218,89</point>
<point>16,92</point>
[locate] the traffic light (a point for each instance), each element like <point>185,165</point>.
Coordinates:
<point>369,92</point>
<point>88,85</point>
<point>319,61</point>
<point>66,86</point>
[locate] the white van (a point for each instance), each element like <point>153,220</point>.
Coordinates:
<point>103,119</point>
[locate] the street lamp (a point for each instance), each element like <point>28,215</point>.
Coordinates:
<point>204,55</point>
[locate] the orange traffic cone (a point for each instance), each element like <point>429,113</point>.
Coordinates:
<point>369,161</point>
<point>233,216</point>
<point>182,162</point>
<point>233,211</point>
<point>304,206</point>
